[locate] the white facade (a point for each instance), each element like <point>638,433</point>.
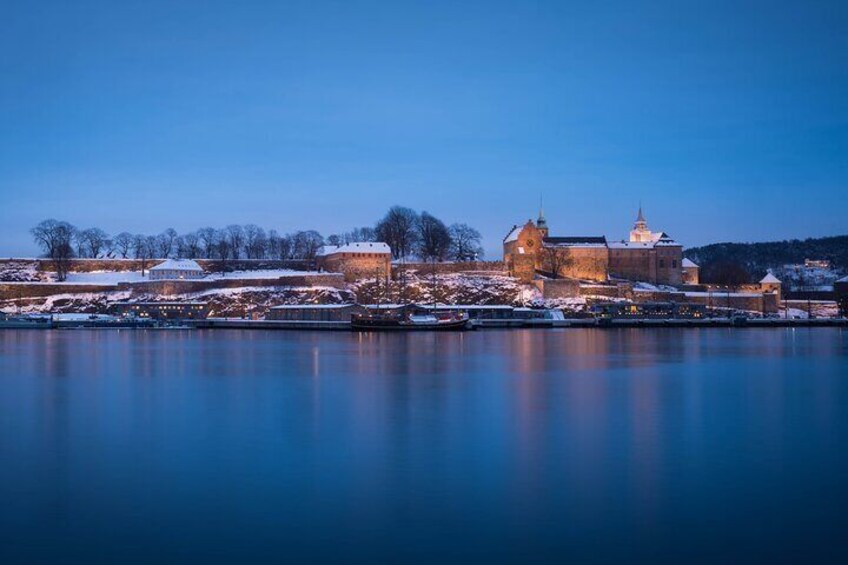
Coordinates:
<point>640,232</point>
<point>176,269</point>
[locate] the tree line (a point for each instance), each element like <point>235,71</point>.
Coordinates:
<point>408,233</point>
<point>739,263</point>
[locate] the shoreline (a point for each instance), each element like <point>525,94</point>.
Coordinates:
<point>341,326</point>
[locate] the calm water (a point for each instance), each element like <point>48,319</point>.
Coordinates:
<point>587,444</point>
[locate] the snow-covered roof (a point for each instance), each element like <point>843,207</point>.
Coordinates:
<point>576,241</point>
<point>513,235</point>
<point>666,240</point>
<point>631,244</point>
<point>770,278</point>
<point>356,247</point>
<point>688,263</point>
<point>843,280</point>
<point>177,265</point>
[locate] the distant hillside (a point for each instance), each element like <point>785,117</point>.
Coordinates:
<point>757,258</point>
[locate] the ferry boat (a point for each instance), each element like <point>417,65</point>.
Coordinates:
<point>26,322</point>
<point>409,319</point>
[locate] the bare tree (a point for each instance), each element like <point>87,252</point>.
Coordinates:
<point>91,242</point>
<point>465,242</point>
<point>255,241</point>
<point>207,238</point>
<point>235,240</point>
<point>78,243</point>
<point>123,243</point>
<point>398,229</point>
<point>361,234</point>
<point>109,250</point>
<point>165,243</point>
<point>306,244</point>
<point>286,248</point>
<point>180,251</point>
<point>433,238</point>
<point>335,240</point>
<point>272,248</point>
<point>55,239</point>
<point>191,245</point>
<point>143,247</point>
<point>223,249</point>
<point>556,259</point>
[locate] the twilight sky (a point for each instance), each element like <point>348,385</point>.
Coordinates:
<point>728,120</point>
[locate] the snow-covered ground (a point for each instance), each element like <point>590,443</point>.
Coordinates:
<point>115,277</point>
<point>105,277</point>
<point>647,287</point>
<point>800,277</point>
<point>21,271</point>
<point>267,274</point>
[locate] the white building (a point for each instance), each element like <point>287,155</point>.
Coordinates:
<point>691,272</point>
<point>178,269</point>
<point>641,234</point>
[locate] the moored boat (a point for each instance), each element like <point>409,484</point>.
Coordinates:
<point>408,319</point>
<point>26,322</point>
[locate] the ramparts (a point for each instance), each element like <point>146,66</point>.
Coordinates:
<point>124,265</point>
<point>454,267</point>
<point>13,291</point>
<point>172,287</point>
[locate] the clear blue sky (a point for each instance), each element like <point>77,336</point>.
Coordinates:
<point>728,120</point>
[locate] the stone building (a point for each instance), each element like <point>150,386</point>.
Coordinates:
<point>313,312</point>
<point>176,269</point>
<point>691,272</point>
<point>162,310</point>
<point>358,260</point>
<point>771,284</point>
<point>529,248</point>
<point>648,256</point>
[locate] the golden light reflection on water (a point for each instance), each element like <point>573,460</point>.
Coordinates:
<point>571,417</point>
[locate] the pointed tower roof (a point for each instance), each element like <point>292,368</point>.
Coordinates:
<point>640,217</point>
<point>541,222</point>
<point>770,278</point>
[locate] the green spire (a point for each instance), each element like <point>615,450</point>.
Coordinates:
<point>541,221</point>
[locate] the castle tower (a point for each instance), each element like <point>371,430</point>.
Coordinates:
<point>640,231</point>
<point>541,223</point>
<point>771,283</point>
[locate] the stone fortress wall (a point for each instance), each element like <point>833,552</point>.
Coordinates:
<point>123,265</point>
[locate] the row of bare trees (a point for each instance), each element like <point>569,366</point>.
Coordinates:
<point>422,235</point>
<point>407,232</point>
<point>61,241</point>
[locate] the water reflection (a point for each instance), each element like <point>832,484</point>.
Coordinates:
<point>526,442</point>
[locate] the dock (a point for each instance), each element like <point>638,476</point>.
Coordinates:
<point>484,324</point>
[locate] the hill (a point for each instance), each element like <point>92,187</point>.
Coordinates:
<point>758,258</point>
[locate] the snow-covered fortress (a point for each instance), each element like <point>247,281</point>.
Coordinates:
<point>648,256</point>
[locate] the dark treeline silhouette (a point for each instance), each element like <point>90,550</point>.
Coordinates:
<point>422,235</point>
<point>407,232</point>
<point>726,272</point>
<point>758,258</point>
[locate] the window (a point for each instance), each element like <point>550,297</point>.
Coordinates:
<point>662,263</point>
<point>674,263</point>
